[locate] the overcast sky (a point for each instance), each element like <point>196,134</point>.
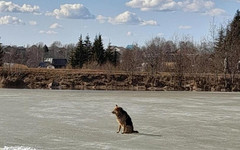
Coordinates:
<point>121,22</point>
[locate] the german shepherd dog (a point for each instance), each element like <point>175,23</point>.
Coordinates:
<point>124,120</point>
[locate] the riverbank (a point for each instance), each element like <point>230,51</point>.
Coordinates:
<point>105,80</point>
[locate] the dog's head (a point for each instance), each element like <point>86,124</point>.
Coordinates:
<point>117,110</point>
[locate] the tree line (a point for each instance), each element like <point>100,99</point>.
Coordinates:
<point>179,55</point>
<point>87,53</point>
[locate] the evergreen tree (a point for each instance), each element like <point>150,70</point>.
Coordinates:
<point>228,43</point>
<point>115,58</point>
<point>46,51</point>
<point>88,48</point>
<point>1,55</point>
<point>232,42</point>
<point>112,55</point>
<point>109,54</point>
<point>219,44</point>
<point>220,50</point>
<point>235,29</point>
<point>80,54</point>
<point>72,58</point>
<point>233,34</point>
<point>99,52</point>
<point>45,48</point>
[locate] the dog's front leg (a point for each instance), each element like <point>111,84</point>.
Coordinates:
<point>124,130</point>
<point>119,128</point>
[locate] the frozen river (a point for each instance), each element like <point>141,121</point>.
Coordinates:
<point>75,120</point>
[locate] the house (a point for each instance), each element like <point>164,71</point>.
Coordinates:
<point>53,63</point>
<point>59,63</point>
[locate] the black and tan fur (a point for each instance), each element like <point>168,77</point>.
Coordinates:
<point>124,120</point>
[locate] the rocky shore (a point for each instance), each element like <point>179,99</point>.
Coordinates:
<point>105,80</point>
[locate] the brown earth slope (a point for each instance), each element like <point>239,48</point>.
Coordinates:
<point>106,80</point>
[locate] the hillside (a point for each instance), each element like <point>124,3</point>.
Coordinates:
<point>107,80</point>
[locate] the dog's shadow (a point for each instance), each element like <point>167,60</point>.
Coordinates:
<point>150,135</point>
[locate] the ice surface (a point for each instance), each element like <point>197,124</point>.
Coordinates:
<point>73,120</point>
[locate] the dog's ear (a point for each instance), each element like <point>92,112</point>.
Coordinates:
<point>116,106</point>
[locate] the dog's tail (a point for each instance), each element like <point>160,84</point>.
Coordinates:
<point>135,132</point>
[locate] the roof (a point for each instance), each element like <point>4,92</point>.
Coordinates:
<point>59,62</point>
<point>130,47</point>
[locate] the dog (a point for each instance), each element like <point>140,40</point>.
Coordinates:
<point>123,120</point>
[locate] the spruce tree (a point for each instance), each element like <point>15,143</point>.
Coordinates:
<point>112,56</point>
<point>80,54</point>
<point>88,48</point>
<point>109,54</point>
<point>233,42</point>
<point>219,44</point>
<point>99,52</point>
<point>72,58</point>
<point>228,44</point>
<point>45,48</point>
<point>115,58</point>
<point>220,50</point>
<point>46,51</point>
<point>1,55</point>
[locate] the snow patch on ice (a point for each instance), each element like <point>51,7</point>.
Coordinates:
<point>17,148</point>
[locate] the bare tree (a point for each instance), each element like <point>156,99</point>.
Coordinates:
<point>187,53</point>
<point>68,49</point>
<point>14,54</point>
<point>153,54</point>
<point>169,50</point>
<point>54,49</point>
<point>131,60</point>
<point>34,56</point>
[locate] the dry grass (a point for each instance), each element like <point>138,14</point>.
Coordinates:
<point>23,68</point>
